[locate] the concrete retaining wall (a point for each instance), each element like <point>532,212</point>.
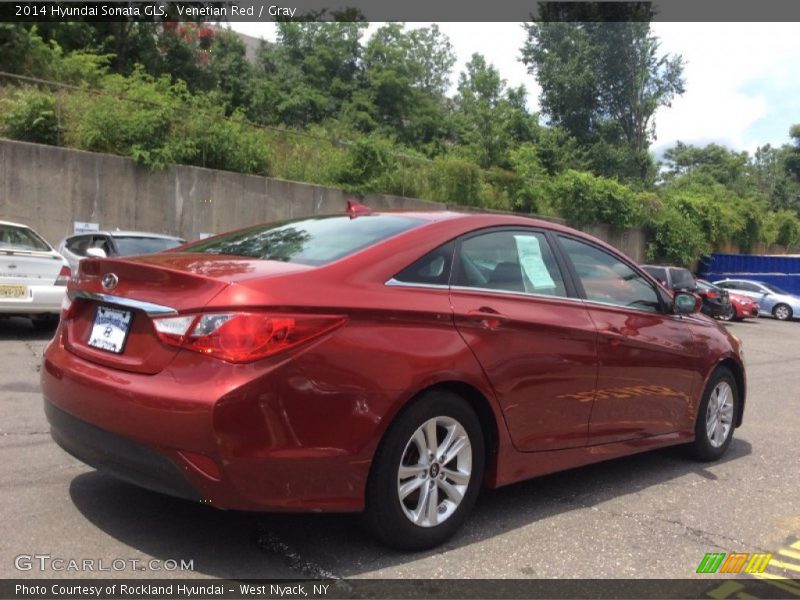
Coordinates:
<point>49,188</point>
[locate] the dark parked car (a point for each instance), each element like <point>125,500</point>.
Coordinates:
<point>716,302</point>
<point>390,363</point>
<point>742,307</point>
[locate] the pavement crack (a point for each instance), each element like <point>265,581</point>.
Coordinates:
<point>269,542</point>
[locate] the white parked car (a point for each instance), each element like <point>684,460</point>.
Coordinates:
<point>33,276</point>
<point>102,244</point>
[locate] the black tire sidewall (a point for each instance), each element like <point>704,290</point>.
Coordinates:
<point>384,515</point>
<point>703,449</point>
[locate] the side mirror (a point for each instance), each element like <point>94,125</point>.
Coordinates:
<point>684,303</point>
<point>95,253</point>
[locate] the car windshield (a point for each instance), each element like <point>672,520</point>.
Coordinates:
<point>21,238</point>
<point>131,245</point>
<point>774,288</point>
<point>314,241</point>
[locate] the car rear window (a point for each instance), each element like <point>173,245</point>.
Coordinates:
<point>315,241</point>
<point>130,245</point>
<point>21,238</point>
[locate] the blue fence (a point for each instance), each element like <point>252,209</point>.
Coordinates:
<point>783,271</point>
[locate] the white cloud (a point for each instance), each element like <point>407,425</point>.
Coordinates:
<point>723,60</point>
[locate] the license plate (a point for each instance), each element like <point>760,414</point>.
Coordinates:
<point>110,329</point>
<point>13,291</point>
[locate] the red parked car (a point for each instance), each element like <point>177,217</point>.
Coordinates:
<point>742,308</point>
<point>390,363</point>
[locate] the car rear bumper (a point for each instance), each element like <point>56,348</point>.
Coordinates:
<point>193,436</point>
<point>40,299</point>
<point>119,456</point>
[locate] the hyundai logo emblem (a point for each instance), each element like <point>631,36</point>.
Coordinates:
<point>110,281</point>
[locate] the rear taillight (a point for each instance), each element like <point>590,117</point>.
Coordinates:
<point>241,337</point>
<point>63,275</point>
<point>712,295</point>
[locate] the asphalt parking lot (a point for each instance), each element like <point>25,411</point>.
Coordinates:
<point>654,515</point>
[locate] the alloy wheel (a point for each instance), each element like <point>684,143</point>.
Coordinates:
<point>434,471</point>
<point>719,414</point>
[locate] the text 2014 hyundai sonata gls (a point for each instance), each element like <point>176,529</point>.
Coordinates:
<point>392,363</point>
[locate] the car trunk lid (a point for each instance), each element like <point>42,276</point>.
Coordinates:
<point>29,267</point>
<point>135,291</point>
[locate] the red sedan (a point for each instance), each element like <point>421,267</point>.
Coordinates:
<point>390,363</point>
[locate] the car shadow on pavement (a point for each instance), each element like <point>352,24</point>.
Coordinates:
<point>235,545</point>
<point>19,328</point>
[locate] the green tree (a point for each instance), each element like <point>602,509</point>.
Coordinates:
<point>406,74</point>
<point>603,78</point>
<point>793,157</point>
<point>490,119</point>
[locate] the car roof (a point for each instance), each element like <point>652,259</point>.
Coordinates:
<point>121,233</point>
<point>12,224</point>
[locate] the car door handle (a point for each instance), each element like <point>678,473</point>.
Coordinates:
<point>488,317</point>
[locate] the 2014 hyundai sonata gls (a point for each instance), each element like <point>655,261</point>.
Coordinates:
<point>391,363</point>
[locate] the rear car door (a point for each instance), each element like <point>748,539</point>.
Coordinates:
<point>647,356</point>
<point>534,339</point>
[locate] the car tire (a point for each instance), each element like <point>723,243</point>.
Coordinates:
<point>413,501</point>
<point>729,315</point>
<point>782,312</point>
<point>716,417</point>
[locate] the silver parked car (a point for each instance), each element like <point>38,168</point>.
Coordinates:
<point>771,299</point>
<point>33,276</point>
<point>102,244</point>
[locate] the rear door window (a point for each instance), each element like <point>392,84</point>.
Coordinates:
<point>315,241</point>
<point>514,261</point>
<point>431,269</point>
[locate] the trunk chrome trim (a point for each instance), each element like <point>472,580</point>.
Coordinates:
<point>152,310</point>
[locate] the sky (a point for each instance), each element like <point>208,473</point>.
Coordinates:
<point>742,79</point>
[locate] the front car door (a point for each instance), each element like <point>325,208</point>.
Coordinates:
<point>533,337</point>
<point>648,358</point>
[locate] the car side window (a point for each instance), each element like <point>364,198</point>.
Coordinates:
<point>682,279</point>
<point>607,279</point>
<point>78,245</point>
<point>743,285</point>
<point>509,260</point>
<point>101,241</point>
<point>431,269</point>
<point>659,273</point>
